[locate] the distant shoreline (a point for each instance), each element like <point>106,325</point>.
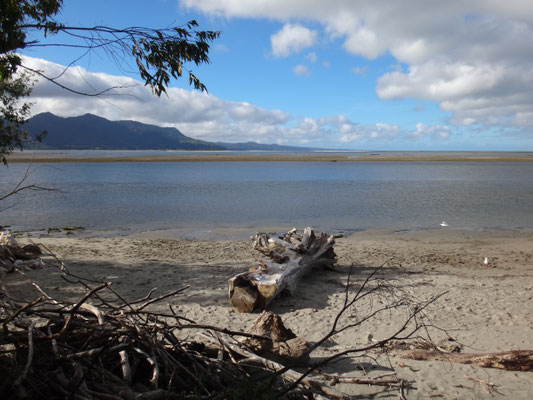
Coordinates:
<point>277,157</point>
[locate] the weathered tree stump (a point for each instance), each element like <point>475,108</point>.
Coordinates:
<point>284,345</point>
<point>291,256</point>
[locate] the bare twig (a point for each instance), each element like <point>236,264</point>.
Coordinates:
<point>151,301</point>
<point>30,354</point>
<point>21,186</point>
<point>489,386</point>
<point>77,306</point>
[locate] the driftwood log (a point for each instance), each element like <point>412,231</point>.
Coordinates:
<point>291,256</point>
<point>514,360</point>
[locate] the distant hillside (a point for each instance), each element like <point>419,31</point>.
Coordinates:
<point>89,132</point>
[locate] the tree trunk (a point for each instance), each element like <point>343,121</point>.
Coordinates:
<point>291,256</point>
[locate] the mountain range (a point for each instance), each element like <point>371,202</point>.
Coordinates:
<point>90,132</point>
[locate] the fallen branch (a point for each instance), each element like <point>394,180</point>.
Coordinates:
<point>376,381</point>
<point>514,360</point>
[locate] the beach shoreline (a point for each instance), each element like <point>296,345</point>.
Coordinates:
<point>483,306</point>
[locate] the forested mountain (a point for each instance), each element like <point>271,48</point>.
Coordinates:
<point>92,132</point>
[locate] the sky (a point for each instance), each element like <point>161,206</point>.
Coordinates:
<point>341,74</point>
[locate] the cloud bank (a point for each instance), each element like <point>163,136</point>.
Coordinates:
<point>200,115</point>
<point>473,57</point>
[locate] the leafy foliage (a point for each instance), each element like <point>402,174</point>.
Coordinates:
<point>165,51</point>
<point>14,87</point>
<point>13,112</point>
<point>15,13</point>
<point>159,55</point>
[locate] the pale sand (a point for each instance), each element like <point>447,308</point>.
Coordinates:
<point>487,308</point>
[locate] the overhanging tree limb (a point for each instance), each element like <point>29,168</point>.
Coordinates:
<point>55,82</point>
<point>160,55</point>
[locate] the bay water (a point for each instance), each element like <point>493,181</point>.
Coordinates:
<point>333,196</point>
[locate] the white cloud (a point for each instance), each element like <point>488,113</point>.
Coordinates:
<point>435,131</point>
<point>291,39</point>
<point>359,70</point>
<point>311,57</point>
<point>301,70</point>
<point>352,132</point>
<point>490,94</point>
<point>472,56</point>
<point>365,42</point>
<point>221,47</point>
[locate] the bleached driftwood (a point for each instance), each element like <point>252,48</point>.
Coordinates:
<point>514,360</point>
<point>291,256</point>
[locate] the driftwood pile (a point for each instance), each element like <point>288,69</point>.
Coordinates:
<point>107,348</point>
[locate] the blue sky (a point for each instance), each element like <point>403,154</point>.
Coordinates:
<point>362,75</point>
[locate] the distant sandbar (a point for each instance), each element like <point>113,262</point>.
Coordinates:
<point>265,157</point>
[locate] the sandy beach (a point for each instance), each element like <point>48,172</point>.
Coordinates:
<point>484,307</point>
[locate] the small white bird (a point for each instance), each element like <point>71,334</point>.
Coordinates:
<point>486,261</point>
<point>443,223</point>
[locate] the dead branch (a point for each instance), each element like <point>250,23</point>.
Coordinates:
<point>30,354</point>
<point>21,186</point>
<point>375,381</point>
<point>514,360</point>
<point>371,286</point>
<point>489,386</point>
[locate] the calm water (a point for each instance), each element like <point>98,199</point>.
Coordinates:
<point>343,196</point>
